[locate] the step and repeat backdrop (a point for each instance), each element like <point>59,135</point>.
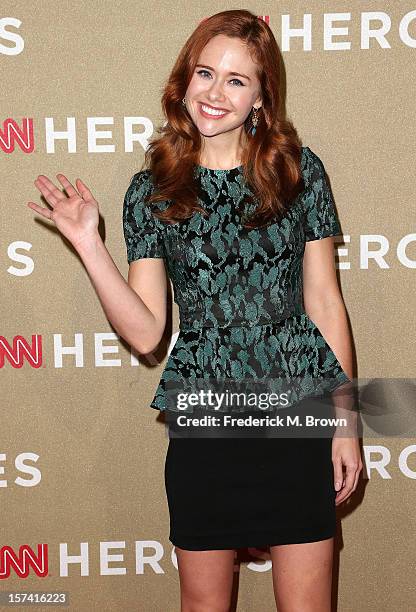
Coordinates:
<point>82,454</point>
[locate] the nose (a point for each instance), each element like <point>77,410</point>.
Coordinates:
<point>216,91</point>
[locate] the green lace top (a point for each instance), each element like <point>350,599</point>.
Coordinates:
<point>239,291</point>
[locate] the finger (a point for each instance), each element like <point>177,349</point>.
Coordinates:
<point>338,475</point>
<point>348,485</point>
<point>357,476</point>
<point>51,193</point>
<point>84,191</point>
<point>341,496</point>
<point>351,474</point>
<point>339,499</point>
<point>45,212</point>
<point>69,188</point>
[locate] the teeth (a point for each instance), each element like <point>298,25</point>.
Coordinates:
<point>210,111</point>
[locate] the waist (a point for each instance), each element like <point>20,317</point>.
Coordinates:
<point>209,321</point>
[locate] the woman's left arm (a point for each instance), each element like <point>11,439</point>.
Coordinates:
<point>323,303</point>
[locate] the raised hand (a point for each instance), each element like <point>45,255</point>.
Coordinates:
<point>76,215</point>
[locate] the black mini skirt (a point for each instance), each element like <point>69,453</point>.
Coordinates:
<point>237,492</point>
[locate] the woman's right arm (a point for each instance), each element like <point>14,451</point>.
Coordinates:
<point>136,308</point>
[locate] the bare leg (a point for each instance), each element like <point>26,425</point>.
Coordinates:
<point>206,579</point>
<point>302,576</point>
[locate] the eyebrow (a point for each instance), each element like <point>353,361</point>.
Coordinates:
<point>233,73</point>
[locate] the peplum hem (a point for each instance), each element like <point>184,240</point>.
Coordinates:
<point>291,349</point>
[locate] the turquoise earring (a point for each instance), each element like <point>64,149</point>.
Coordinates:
<point>254,120</point>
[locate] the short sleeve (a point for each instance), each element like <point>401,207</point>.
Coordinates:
<point>141,234</point>
<point>321,219</point>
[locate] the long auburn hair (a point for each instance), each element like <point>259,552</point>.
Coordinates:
<point>270,160</point>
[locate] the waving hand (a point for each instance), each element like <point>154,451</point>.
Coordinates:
<point>76,215</point>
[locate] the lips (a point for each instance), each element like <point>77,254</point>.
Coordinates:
<point>214,107</point>
<point>208,115</point>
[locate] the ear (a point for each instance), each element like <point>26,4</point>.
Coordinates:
<point>258,102</point>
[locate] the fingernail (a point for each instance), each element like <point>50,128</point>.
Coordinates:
<point>337,486</point>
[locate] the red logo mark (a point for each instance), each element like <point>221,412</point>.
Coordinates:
<point>21,349</point>
<point>12,133</point>
<point>26,559</point>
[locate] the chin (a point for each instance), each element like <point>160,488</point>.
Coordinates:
<point>216,130</point>
<point>209,132</point>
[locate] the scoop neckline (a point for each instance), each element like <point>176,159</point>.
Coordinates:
<point>218,169</point>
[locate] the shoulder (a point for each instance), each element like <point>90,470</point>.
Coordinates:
<point>136,199</point>
<point>311,165</point>
<point>142,175</point>
<point>139,188</point>
<point>143,178</point>
<point>142,185</point>
<point>137,192</point>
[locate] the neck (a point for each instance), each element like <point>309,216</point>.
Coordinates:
<point>225,158</point>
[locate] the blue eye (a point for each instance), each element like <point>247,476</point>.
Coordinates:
<point>209,74</point>
<point>201,71</point>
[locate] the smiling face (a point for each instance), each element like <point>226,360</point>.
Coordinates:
<point>223,88</point>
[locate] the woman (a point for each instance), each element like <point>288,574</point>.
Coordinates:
<point>240,216</point>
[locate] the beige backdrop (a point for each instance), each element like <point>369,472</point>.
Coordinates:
<point>81,452</point>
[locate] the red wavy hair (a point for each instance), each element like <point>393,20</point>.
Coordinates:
<point>271,159</point>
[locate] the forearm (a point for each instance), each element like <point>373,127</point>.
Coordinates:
<point>332,322</point>
<point>123,307</point>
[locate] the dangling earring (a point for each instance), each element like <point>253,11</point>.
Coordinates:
<point>254,121</point>
<point>184,101</point>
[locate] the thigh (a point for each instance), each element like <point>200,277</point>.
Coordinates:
<point>302,576</point>
<point>206,579</point>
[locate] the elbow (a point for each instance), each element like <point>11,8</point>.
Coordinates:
<point>145,350</point>
<point>147,339</point>
<point>147,346</point>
